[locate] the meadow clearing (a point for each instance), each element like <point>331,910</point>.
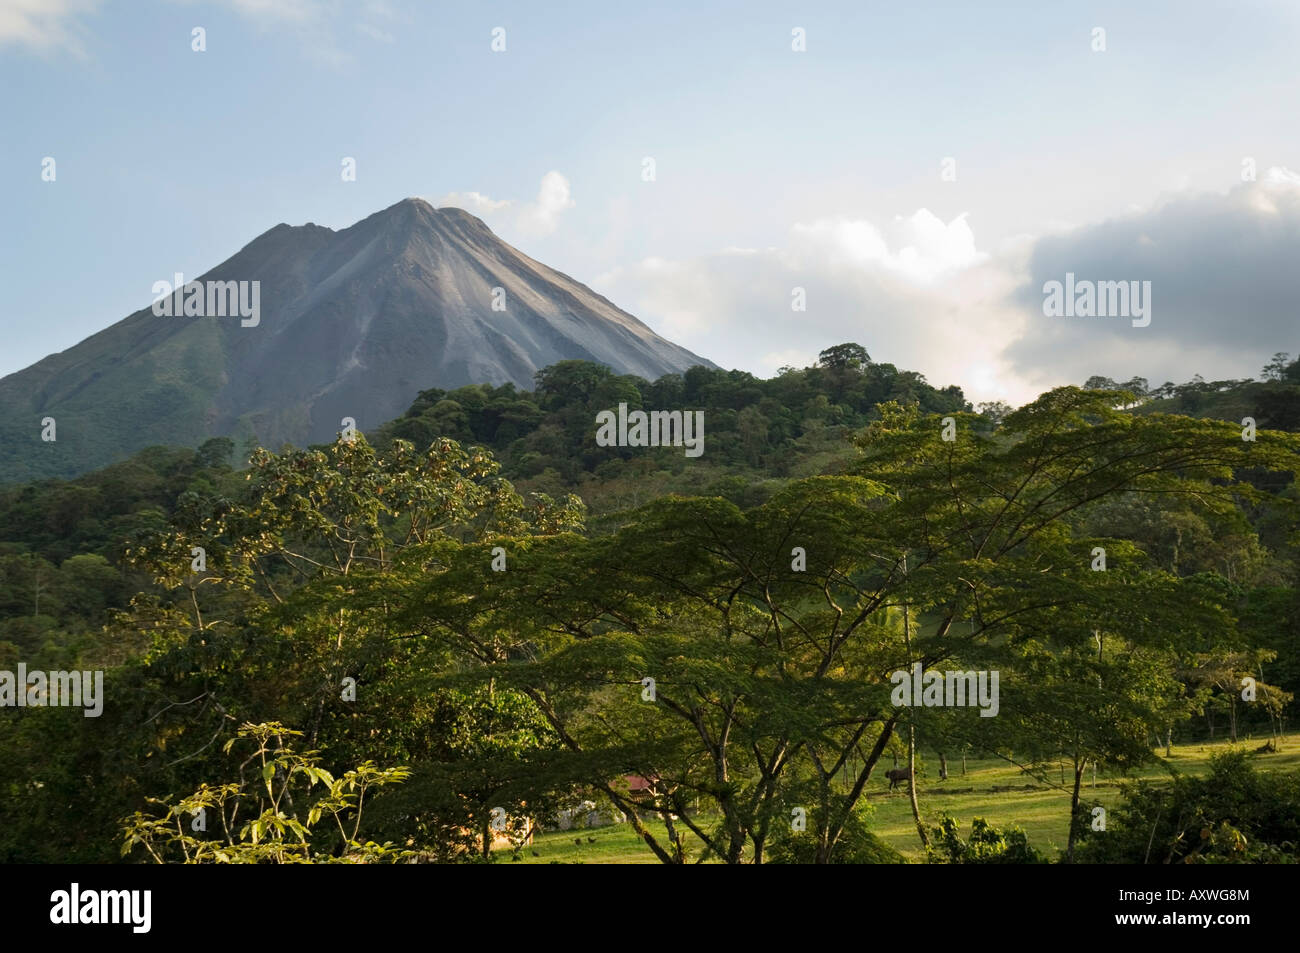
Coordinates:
<point>991,788</point>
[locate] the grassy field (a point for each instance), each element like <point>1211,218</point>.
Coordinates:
<point>991,788</point>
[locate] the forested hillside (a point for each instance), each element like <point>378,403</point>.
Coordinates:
<point>61,541</point>
<point>1273,400</point>
<point>475,608</point>
<point>757,432</point>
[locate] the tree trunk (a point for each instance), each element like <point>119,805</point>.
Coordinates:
<point>943,766</point>
<point>911,784</point>
<point>834,826</point>
<point>1074,809</point>
<point>1169,741</point>
<point>674,838</point>
<point>824,841</point>
<point>911,728</point>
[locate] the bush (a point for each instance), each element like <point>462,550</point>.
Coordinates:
<point>856,845</point>
<point>986,845</point>
<point>1235,815</point>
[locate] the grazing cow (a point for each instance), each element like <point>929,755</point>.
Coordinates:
<point>897,775</point>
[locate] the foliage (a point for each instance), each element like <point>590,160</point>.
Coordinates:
<point>1234,815</point>
<point>857,845</point>
<point>986,844</point>
<point>412,606</point>
<point>752,425</point>
<point>280,828</point>
<point>771,677</point>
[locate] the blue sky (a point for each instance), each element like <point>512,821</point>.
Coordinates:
<point>775,169</point>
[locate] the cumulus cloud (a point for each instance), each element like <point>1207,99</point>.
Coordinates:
<point>44,25</point>
<point>927,248</point>
<point>919,293</point>
<point>916,293</point>
<point>1222,273</point>
<point>542,216</point>
<point>533,219</point>
<point>475,202</point>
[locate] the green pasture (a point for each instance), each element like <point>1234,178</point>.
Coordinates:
<point>1000,792</point>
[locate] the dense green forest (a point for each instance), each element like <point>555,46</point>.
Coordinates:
<point>757,433</point>
<point>476,609</point>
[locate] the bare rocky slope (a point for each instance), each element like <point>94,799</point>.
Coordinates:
<point>353,323</point>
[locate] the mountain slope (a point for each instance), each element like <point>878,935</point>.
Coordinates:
<point>353,323</point>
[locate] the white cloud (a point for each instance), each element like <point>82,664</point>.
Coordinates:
<point>542,216</point>
<point>475,202</point>
<point>927,248</point>
<point>1281,176</point>
<point>917,293</point>
<point>534,219</point>
<point>44,25</point>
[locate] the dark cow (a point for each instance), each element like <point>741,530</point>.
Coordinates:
<point>897,776</point>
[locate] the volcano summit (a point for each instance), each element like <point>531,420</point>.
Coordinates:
<point>354,322</point>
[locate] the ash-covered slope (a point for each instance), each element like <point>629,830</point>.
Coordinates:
<point>352,323</point>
